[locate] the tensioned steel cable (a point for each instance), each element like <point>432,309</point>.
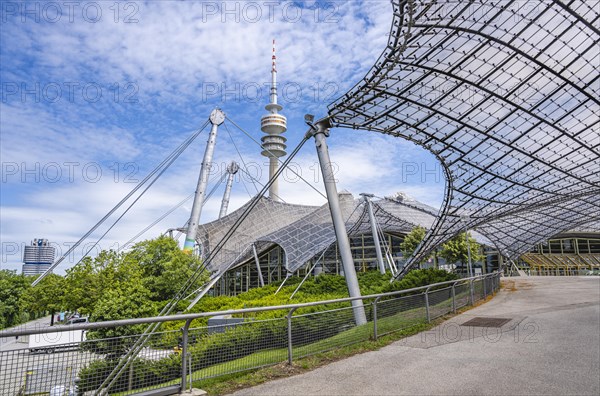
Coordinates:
<point>388,253</point>
<point>155,222</point>
<point>252,179</point>
<point>293,171</point>
<point>245,214</point>
<point>347,223</point>
<point>162,171</point>
<point>257,181</point>
<point>139,344</point>
<point>246,187</point>
<point>125,360</point>
<point>118,205</point>
<point>174,208</point>
<point>239,154</point>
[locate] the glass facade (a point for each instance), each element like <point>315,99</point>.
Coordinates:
<point>272,263</point>
<point>565,255</point>
<point>569,246</point>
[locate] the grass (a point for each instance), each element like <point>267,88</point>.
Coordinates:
<point>400,321</point>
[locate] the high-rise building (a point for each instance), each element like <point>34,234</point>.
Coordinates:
<point>274,125</point>
<point>38,257</point>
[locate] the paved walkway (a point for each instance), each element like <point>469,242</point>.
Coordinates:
<point>550,346</point>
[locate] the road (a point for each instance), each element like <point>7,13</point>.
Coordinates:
<point>9,344</point>
<point>40,371</point>
<point>549,346</point>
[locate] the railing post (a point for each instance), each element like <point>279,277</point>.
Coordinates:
<point>190,369</point>
<point>427,305</point>
<point>375,335</point>
<point>454,297</point>
<point>484,280</point>
<point>130,380</point>
<point>184,351</point>
<point>471,285</point>
<point>289,334</point>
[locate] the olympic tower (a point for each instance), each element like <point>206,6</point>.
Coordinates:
<point>273,125</point>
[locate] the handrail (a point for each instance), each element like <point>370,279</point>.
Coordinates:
<point>186,317</point>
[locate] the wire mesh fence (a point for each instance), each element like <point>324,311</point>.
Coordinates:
<point>226,349</point>
<point>123,357</point>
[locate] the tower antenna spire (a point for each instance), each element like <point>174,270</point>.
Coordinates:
<point>274,77</point>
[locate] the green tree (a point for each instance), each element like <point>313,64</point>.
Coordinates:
<point>47,296</point>
<point>131,300</point>
<point>81,289</point>
<point>165,267</point>
<point>455,250</point>
<point>12,286</point>
<point>87,282</point>
<point>412,240</point>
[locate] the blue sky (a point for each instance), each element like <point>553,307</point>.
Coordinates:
<point>95,94</point>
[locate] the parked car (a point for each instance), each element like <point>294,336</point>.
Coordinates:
<point>77,321</point>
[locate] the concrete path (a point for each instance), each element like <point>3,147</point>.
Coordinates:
<point>550,346</point>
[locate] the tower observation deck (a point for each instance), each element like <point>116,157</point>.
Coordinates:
<point>273,125</point>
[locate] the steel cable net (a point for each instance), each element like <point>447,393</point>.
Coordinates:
<point>308,237</point>
<point>266,217</point>
<point>506,95</point>
<point>304,232</point>
<point>311,234</point>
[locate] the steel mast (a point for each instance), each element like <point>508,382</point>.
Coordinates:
<point>216,118</point>
<point>320,132</point>
<point>367,198</point>
<point>232,169</point>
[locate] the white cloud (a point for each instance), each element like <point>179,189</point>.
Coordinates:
<point>170,56</point>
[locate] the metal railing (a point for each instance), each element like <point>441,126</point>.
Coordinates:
<point>41,362</point>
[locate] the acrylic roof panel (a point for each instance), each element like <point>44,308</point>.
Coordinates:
<point>517,232</point>
<point>304,232</point>
<point>592,227</point>
<point>409,210</point>
<point>506,95</point>
<point>308,237</point>
<point>312,234</point>
<point>266,217</point>
<point>387,219</point>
